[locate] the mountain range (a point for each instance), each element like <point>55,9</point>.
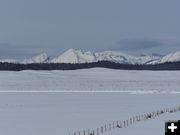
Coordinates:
<point>78,56</point>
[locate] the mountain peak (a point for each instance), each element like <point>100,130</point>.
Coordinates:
<point>74,56</point>
<point>40,58</point>
<point>71,50</point>
<point>171,57</point>
<point>78,56</point>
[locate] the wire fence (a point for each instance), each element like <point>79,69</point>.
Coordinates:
<point>118,124</point>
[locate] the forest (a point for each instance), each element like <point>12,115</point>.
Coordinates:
<point>104,64</point>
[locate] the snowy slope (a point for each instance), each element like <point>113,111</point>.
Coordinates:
<point>74,56</point>
<point>120,57</point>
<point>64,113</point>
<point>172,57</point>
<point>92,79</point>
<point>60,113</point>
<point>77,56</point>
<point>41,58</point>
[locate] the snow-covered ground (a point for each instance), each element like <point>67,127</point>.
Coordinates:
<point>62,113</point>
<point>92,79</point>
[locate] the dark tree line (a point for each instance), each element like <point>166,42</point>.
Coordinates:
<point>104,64</point>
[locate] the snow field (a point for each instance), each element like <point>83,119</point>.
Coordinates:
<point>97,79</point>
<point>43,102</point>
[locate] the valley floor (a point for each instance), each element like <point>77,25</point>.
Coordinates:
<point>97,79</point>
<point>61,112</point>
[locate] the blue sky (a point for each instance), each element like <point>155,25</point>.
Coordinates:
<point>28,27</point>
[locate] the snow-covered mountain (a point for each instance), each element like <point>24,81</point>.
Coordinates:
<point>77,56</point>
<point>74,56</point>
<point>123,58</point>
<point>41,58</point>
<point>172,57</point>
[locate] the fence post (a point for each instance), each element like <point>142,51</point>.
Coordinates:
<point>113,124</point>
<point>137,118</point>
<point>120,124</point>
<point>93,132</point>
<point>152,115</point>
<point>97,131</point>
<point>105,128</point>
<point>109,127</point>
<point>124,123</point>
<point>117,123</point>
<point>145,115</point>
<point>131,121</point>
<point>101,129</point>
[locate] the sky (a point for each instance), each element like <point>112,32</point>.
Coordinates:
<point>29,27</point>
